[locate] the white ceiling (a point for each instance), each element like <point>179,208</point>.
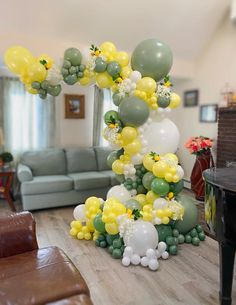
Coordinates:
<point>186,25</point>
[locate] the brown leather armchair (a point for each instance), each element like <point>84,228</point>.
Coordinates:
<point>29,275</point>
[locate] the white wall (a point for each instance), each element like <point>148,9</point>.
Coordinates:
<point>215,67</point>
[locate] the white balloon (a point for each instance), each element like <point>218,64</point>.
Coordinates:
<point>162,246</point>
<point>158,254</point>
<point>144,261</point>
<point>78,212</point>
<point>143,237</point>
<point>135,76</point>
<point>86,54</point>
<point>120,193</point>
<point>137,159</point>
<point>150,253</point>
<point>160,203</point>
<point>162,136</point>
<point>165,255</point>
<point>153,264</point>
<point>135,259</point>
<point>157,221</point>
<point>180,171</point>
<point>126,261</point>
<point>128,252</point>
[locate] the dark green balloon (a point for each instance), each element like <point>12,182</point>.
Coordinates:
<point>173,250</point>
<point>43,96</point>
<point>201,236</point>
<point>42,91</point>
<point>120,178</point>
<point>163,231</point>
<point>73,55</point>
<point>54,90</point>
<point>147,180</point>
<point>100,65</point>
<point>195,241</point>
<point>99,225</point>
<point>152,58</point>
<point>80,74</point>
<point>117,253</point>
<point>190,217</point>
<point>110,238</point>
<point>132,204</point>
<point>133,111</point>
<point>71,79</point>
<point>141,189</point>
<point>176,188</point>
<point>36,85</point>
<point>116,98</point>
<point>72,70</point>
<point>112,157</point>
<point>163,101</point>
<point>113,68</point>
<point>160,186</point>
<point>109,116</point>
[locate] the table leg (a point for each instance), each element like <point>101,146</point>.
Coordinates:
<point>227,253</point>
<point>10,202</point>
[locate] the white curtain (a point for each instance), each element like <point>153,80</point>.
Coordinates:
<point>28,121</point>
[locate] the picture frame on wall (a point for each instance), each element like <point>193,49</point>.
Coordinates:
<point>191,98</point>
<point>208,113</point>
<point>74,106</point>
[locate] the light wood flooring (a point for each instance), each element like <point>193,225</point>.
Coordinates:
<point>190,278</point>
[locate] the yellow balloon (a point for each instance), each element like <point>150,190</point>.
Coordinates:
<point>151,197</point>
<point>159,169</point>
<point>29,89</point>
<point>148,162</point>
<point>147,84</point>
<point>122,58</point>
<point>111,228</point>
<point>168,177</point>
<point>84,81</point>
<point>92,202</point>
<point>37,72</point>
<point>141,198</point>
<point>175,100</point>
<point>104,80</point>
<point>18,58</point>
<point>128,134</point>
<point>118,167</point>
<point>172,157</point>
<point>125,72</point>
<point>133,147</point>
<point>108,47</point>
<point>176,178</point>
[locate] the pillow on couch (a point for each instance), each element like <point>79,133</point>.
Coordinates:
<point>101,157</point>
<point>45,162</point>
<point>80,160</point>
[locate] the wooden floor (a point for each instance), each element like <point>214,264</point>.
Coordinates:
<point>190,278</point>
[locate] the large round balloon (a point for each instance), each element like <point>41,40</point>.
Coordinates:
<point>144,236</point>
<point>152,58</point>
<point>120,193</point>
<point>133,111</point>
<point>190,218</point>
<point>162,136</point>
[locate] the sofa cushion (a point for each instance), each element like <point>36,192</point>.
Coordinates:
<point>47,184</point>
<point>89,180</point>
<point>101,157</point>
<point>45,162</point>
<point>80,160</point>
<point>111,176</point>
<point>39,277</point>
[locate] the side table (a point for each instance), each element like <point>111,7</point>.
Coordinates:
<point>6,177</point>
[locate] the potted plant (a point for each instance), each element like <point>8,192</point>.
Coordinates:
<point>201,147</point>
<point>6,158</point>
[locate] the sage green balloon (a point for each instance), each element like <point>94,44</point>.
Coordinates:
<point>66,64</point>
<point>132,204</point>
<point>64,72</point>
<point>73,55</point>
<point>152,58</point>
<point>163,101</point>
<point>110,115</point>
<point>133,111</point>
<point>112,157</point>
<point>54,90</point>
<point>72,70</point>
<point>190,218</point>
<point>100,65</point>
<point>36,85</point>
<point>147,180</point>
<point>120,178</point>
<point>113,68</point>
<point>82,68</point>
<point>71,79</point>
<point>160,186</point>
<point>45,84</point>
<point>116,98</point>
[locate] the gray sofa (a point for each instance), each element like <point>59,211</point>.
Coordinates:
<point>60,177</point>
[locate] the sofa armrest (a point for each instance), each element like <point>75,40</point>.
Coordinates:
<point>17,234</point>
<point>24,173</point>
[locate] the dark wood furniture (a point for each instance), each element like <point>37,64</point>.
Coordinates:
<point>226,142</point>
<point>6,178</point>
<point>220,205</point>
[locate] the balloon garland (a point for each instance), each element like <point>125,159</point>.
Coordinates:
<point>145,217</point>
